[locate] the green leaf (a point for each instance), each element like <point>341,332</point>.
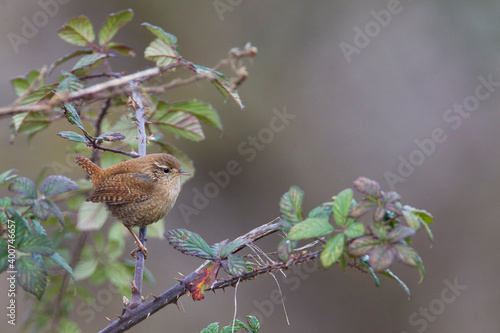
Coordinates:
<point>220,82</point>
<point>156,230</point>
<point>202,111</point>
<point>424,215</point>
<point>56,184</point>
<point>41,209</point>
<point>212,328</point>
<point>73,116</point>
<point>180,123</point>
<point>72,136</point>
<point>18,119</point>
<point>235,265</point>
<point>190,243</point>
<point>411,219</point>
<point>4,255</point>
<point>116,241</point>
<point>37,95</point>
<point>21,226</point>
<point>24,186</point>
<point>418,217</point>
<point>37,228</point>
<point>69,56</point>
<point>20,85</point>
<point>30,123</point>
<point>166,37</point>
<point>56,257</point>
<point>113,23</point>
<point>291,205</point>
<point>22,201</point>
<point>70,83</point>
<point>109,159</point>
<point>77,31</point>
<point>118,274</point>
<point>355,230</point>
<point>332,251</point>
<point>160,52</point>
<point>54,210</point>
<point>85,268</point>
<point>310,228</point>
<point>254,324</point>
<point>379,230</point>
<point>407,254</point>
<point>32,276</point>
<point>37,244</point>
<point>7,176</point>
<point>362,246</point>
<point>235,327</point>
<point>88,60</point>
<point>121,48</point>
<point>68,326</point>
<point>342,262</point>
<point>342,206</point>
<point>224,87</point>
<point>91,216</point>
<point>231,246</point>
<point>322,211</point>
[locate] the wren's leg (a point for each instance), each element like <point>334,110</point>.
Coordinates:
<point>140,247</point>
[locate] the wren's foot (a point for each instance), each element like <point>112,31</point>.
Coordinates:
<point>141,248</point>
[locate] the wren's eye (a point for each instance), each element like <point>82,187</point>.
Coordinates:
<point>166,170</point>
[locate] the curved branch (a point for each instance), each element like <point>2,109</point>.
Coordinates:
<point>132,317</point>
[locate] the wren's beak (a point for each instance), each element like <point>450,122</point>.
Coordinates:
<point>183,173</point>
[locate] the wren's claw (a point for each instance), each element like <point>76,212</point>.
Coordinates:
<point>141,248</point>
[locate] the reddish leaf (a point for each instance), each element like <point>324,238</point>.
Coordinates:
<point>203,280</point>
<point>400,233</point>
<point>363,207</point>
<point>367,186</point>
<point>362,245</point>
<point>381,257</point>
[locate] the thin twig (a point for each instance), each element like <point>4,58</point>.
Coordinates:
<point>119,86</point>
<point>98,124</point>
<point>96,146</point>
<point>77,251</point>
<point>138,104</point>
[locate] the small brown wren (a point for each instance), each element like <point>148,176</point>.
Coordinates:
<point>139,191</point>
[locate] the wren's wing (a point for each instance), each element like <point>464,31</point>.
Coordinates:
<point>123,188</point>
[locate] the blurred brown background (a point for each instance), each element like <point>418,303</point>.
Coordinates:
<point>352,118</point>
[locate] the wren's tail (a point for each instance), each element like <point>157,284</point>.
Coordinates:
<point>92,169</point>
